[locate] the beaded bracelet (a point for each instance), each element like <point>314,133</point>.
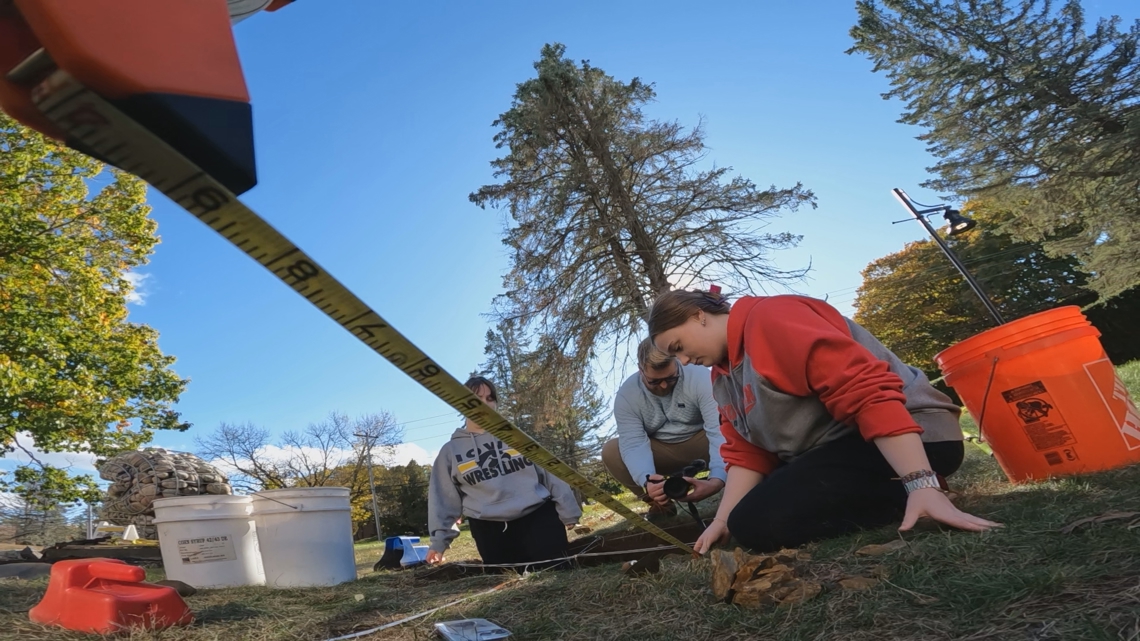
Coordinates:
<point>914,476</point>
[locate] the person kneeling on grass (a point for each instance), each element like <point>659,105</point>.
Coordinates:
<point>826,430</point>
<point>666,418</point>
<point>517,511</point>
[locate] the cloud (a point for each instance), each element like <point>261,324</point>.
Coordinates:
<point>686,281</point>
<point>74,462</point>
<point>407,452</point>
<point>278,454</point>
<point>137,294</point>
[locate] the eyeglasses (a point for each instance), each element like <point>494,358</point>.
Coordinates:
<point>654,382</point>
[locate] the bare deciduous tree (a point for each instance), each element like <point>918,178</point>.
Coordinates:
<point>332,452</point>
<point>241,450</point>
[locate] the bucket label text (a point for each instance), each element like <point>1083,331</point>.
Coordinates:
<point>206,549</point>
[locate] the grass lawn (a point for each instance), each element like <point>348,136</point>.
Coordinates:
<point>1027,581</point>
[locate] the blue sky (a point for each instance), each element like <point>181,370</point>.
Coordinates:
<point>373,124</point>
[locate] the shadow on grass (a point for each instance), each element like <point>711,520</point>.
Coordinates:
<point>232,611</point>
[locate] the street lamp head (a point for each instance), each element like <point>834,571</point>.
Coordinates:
<point>958,223</point>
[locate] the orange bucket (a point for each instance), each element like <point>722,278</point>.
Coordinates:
<point>1045,396</point>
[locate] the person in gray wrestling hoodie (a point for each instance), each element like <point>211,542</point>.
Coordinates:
<point>517,511</point>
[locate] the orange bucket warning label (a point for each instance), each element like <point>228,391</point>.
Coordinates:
<point>1057,457</point>
<point>1039,416</point>
<point>1115,397</point>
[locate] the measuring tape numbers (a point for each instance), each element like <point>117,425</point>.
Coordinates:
<point>110,134</point>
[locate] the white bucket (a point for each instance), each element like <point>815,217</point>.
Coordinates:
<point>305,536</point>
<point>209,541</point>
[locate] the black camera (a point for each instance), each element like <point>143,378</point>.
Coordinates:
<point>676,487</point>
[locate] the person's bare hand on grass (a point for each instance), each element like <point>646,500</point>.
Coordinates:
<point>935,504</point>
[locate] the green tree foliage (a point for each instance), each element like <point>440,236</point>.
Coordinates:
<point>402,496</point>
<point>547,394</point>
<point>37,500</point>
<point>917,304</point>
<point>597,474</point>
<point>1024,101</point>
<point>608,208</point>
<point>74,373</point>
<point>1116,320</point>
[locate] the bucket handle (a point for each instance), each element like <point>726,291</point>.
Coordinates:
<point>270,498</point>
<point>986,399</point>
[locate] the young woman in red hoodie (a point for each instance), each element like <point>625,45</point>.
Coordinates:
<point>826,430</point>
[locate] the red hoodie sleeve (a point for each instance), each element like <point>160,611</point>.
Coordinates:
<point>804,347</point>
<point>737,450</point>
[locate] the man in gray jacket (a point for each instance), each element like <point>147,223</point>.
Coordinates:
<point>666,418</point>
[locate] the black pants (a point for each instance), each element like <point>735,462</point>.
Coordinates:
<point>538,536</point>
<point>836,488</point>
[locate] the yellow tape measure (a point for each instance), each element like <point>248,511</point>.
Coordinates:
<point>112,134</point>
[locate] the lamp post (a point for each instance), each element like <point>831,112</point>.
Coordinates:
<point>958,225</point>
<point>371,482</point>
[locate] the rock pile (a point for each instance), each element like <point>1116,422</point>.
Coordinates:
<point>139,477</point>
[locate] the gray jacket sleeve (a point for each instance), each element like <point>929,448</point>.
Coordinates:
<point>710,412</point>
<point>564,500</point>
<point>445,504</point>
<point>633,442</point>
